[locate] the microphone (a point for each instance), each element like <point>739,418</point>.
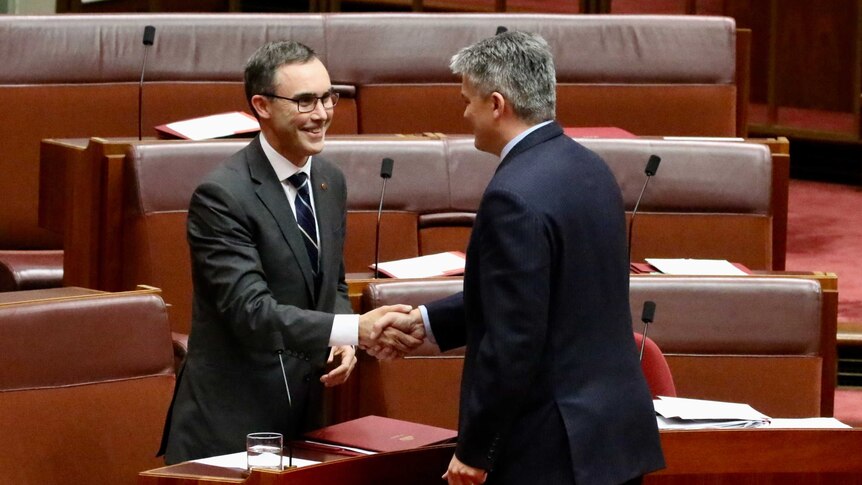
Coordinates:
<point>650,170</point>
<point>290,406</point>
<point>646,317</point>
<point>501,29</point>
<point>149,38</point>
<point>385,174</point>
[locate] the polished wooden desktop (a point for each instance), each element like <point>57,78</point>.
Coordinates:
<point>799,456</point>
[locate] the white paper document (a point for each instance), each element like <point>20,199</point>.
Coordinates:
<point>215,126</point>
<point>440,264</point>
<point>682,413</point>
<point>696,267</point>
<point>240,461</point>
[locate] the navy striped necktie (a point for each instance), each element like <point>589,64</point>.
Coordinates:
<point>305,217</point>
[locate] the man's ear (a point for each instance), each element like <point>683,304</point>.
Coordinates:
<point>499,104</point>
<point>261,105</point>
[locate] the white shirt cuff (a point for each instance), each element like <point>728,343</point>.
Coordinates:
<point>345,330</point>
<point>429,335</point>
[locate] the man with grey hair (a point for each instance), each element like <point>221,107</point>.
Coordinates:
<point>552,390</point>
<point>270,306</point>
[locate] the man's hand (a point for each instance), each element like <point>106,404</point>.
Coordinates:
<point>339,375</point>
<point>461,474</point>
<point>394,331</point>
<point>367,325</point>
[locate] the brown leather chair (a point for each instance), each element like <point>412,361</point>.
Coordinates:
<point>679,78</point>
<point>84,387</point>
<point>655,368</point>
<point>757,340</point>
<point>744,339</point>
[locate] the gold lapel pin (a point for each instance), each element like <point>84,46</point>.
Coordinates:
<point>323,186</point>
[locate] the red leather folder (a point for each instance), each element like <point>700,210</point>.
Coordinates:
<point>376,433</point>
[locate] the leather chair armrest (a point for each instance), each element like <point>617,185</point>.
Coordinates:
<point>30,270</point>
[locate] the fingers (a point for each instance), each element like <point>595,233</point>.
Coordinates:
<point>340,374</point>
<point>460,473</point>
<point>370,325</point>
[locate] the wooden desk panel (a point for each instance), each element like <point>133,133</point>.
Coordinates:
<point>706,456</point>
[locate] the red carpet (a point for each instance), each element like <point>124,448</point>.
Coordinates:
<point>824,233</point>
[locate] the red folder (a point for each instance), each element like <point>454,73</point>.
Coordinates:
<point>376,433</point>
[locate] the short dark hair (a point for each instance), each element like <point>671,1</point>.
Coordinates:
<point>261,66</point>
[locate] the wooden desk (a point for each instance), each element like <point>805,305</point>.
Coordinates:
<point>707,456</point>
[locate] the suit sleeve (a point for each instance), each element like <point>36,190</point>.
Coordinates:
<point>446,317</point>
<point>514,288</point>
<point>228,269</point>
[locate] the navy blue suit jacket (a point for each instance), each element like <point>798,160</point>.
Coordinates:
<point>546,321</point>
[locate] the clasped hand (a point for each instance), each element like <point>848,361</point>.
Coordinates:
<point>391,331</point>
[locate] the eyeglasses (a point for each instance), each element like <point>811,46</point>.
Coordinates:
<point>308,102</point>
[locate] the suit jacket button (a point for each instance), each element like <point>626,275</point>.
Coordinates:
<point>307,378</point>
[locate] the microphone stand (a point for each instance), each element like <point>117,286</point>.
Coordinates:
<point>149,37</point>
<point>385,174</point>
<point>290,406</point>
<point>651,169</point>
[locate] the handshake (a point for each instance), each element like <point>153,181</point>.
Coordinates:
<point>391,331</point>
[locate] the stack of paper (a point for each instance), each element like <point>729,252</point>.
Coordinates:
<point>681,413</point>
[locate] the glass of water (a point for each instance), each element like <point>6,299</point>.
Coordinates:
<point>264,450</point>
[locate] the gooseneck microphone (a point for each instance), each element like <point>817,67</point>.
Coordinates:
<point>385,174</point>
<point>647,317</point>
<point>290,406</point>
<point>149,38</point>
<point>650,170</point>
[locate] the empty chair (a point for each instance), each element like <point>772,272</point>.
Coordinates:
<point>656,370</point>
<point>85,382</point>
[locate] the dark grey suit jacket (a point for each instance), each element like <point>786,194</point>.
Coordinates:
<point>550,355</point>
<point>254,294</point>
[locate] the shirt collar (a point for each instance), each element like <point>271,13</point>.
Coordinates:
<point>283,167</point>
<point>514,141</point>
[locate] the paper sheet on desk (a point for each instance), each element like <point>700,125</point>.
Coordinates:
<point>808,423</point>
<point>240,461</point>
<point>696,267</point>
<point>440,264</point>
<point>682,413</point>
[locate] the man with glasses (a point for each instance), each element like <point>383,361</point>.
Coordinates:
<point>270,308</point>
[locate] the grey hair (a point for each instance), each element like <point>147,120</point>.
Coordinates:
<point>518,65</point>
<point>261,67</point>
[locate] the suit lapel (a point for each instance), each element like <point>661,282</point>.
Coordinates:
<point>324,209</point>
<point>271,193</point>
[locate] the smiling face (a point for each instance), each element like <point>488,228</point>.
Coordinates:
<point>295,135</point>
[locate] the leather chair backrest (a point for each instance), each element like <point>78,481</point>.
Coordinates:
<point>743,339</point>
<point>751,339</point>
<point>652,75</point>
<point>160,180</point>
<point>655,368</point>
<point>84,387</point>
